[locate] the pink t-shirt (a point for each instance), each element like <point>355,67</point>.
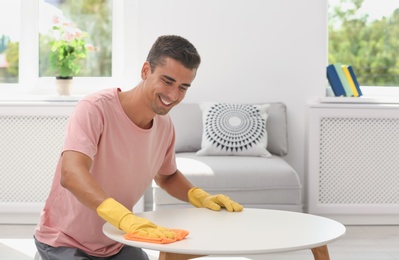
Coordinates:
<point>125,160</point>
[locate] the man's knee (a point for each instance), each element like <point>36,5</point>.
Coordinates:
<point>46,252</point>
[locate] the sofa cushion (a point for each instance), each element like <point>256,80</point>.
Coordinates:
<point>271,181</point>
<point>234,129</point>
<point>277,131</point>
<point>187,119</point>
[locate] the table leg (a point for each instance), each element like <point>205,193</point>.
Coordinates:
<point>175,256</point>
<point>321,253</point>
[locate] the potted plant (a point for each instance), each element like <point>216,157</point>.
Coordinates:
<point>68,48</point>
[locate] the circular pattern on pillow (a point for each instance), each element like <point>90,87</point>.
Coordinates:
<point>234,127</point>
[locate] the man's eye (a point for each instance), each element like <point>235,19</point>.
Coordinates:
<point>183,88</point>
<point>167,82</point>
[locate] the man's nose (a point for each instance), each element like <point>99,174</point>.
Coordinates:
<point>173,93</point>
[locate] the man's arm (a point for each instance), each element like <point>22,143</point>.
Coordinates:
<point>76,177</point>
<point>179,187</point>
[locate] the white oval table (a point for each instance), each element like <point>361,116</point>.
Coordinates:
<point>250,232</point>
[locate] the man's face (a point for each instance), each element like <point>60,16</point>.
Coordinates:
<point>167,85</point>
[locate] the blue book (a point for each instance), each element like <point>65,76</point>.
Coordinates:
<point>355,80</point>
<point>335,82</point>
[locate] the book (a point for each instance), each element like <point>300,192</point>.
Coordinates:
<point>350,80</point>
<point>359,91</point>
<point>344,81</point>
<point>334,81</point>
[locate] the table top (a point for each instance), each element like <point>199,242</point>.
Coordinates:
<point>252,231</point>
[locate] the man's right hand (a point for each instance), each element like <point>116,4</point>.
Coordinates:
<point>143,227</point>
<point>122,218</point>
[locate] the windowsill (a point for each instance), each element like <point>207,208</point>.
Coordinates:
<point>371,95</point>
<point>39,98</point>
<point>37,94</point>
<point>361,100</point>
<point>44,90</point>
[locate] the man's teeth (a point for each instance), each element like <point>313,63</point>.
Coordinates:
<point>165,102</point>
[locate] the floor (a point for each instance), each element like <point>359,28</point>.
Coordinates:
<point>359,243</point>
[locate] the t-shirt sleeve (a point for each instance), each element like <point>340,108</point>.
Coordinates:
<point>85,126</point>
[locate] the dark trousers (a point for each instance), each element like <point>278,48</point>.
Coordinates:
<point>68,253</point>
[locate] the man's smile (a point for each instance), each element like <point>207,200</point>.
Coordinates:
<point>163,101</point>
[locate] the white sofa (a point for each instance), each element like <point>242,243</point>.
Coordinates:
<point>255,182</point>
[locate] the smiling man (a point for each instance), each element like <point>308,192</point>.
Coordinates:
<point>116,143</point>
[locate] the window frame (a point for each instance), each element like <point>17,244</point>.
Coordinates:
<point>29,82</point>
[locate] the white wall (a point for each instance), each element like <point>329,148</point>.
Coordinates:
<point>252,51</point>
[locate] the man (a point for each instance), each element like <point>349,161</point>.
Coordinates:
<point>116,143</point>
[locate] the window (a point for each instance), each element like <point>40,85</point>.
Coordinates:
<point>9,40</point>
<point>365,34</point>
<point>93,18</point>
<point>25,43</point>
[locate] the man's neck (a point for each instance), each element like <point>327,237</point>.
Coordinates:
<point>133,104</point>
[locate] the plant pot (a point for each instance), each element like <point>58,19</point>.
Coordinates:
<point>64,85</point>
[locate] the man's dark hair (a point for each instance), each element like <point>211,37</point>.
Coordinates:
<point>174,47</point>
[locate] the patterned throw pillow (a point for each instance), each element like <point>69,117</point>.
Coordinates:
<point>234,129</point>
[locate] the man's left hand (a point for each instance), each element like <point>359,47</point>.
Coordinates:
<point>202,199</point>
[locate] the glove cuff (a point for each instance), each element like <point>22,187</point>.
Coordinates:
<point>196,197</point>
<point>112,211</point>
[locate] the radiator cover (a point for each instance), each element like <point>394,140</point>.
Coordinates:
<point>31,139</point>
<point>29,155</point>
<point>353,160</point>
<point>359,161</point>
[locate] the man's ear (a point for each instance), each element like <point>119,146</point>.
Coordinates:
<point>145,70</point>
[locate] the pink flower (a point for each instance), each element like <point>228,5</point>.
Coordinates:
<point>78,33</point>
<point>56,19</point>
<point>69,36</point>
<point>89,47</point>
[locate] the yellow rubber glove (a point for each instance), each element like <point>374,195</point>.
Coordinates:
<point>122,218</point>
<point>201,199</point>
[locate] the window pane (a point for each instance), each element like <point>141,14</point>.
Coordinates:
<point>9,40</point>
<point>88,20</point>
<point>365,34</point>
